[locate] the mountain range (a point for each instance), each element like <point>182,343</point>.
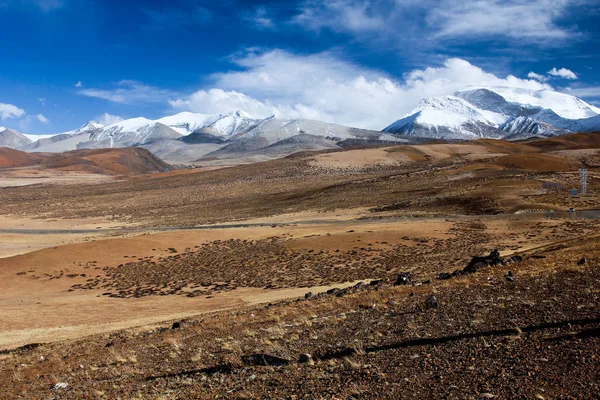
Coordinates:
<point>498,113</point>
<point>491,112</point>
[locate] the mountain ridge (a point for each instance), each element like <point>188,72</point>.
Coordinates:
<point>498,113</point>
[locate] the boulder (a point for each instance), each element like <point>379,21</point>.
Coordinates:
<point>404,279</point>
<point>444,276</point>
<point>509,277</point>
<point>306,358</point>
<point>431,302</point>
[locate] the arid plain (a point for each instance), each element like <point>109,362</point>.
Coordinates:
<point>123,279</point>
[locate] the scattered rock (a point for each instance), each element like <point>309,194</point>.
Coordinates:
<point>405,278</point>
<point>514,259</point>
<point>509,277</point>
<point>444,276</point>
<point>177,325</point>
<point>583,261</point>
<point>309,295</point>
<point>457,273</point>
<point>60,385</point>
<point>306,358</point>
<point>431,302</point>
<point>474,267</point>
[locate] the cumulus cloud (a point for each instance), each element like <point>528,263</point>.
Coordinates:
<point>553,73</point>
<point>42,119</point>
<point>130,92</point>
<point>532,21</point>
<point>108,119</point>
<point>537,77</point>
<point>325,87</point>
<point>10,111</point>
<point>562,73</point>
<point>78,84</point>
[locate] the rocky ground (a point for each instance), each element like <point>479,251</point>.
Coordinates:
<point>530,333</point>
<point>517,330</point>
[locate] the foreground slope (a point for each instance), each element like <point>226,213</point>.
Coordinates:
<point>538,330</point>
<point>224,310</point>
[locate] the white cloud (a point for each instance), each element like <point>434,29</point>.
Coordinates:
<point>108,119</point>
<point>42,119</point>
<point>10,111</point>
<point>260,18</point>
<point>340,15</point>
<point>219,101</point>
<point>553,73</point>
<point>398,20</point>
<point>524,19</point>
<point>78,84</point>
<point>585,92</point>
<point>562,73</point>
<point>537,77</point>
<point>130,92</point>
<point>325,87</point>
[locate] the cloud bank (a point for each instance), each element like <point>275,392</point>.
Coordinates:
<point>325,87</point>
<point>532,21</point>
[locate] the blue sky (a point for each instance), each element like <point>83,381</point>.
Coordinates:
<point>360,63</point>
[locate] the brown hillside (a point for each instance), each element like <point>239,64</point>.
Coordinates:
<point>584,140</point>
<point>14,158</point>
<point>535,162</point>
<point>125,161</point>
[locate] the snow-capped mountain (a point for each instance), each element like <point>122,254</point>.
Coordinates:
<point>11,138</point>
<point>130,132</point>
<point>221,124</point>
<point>68,140</point>
<point>498,113</point>
<point>88,127</point>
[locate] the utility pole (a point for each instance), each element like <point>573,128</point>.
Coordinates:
<point>583,173</point>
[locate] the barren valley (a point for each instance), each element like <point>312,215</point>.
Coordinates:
<point>326,274</point>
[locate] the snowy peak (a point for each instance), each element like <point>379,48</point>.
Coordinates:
<point>89,126</point>
<point>130,132</point>
<point>220,124</point>
<point>187,122</point>
<point>497,112</point>
<point>13,139</point>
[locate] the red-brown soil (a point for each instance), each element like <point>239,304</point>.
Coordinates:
<point>219,311</point>
<point>124,161</point>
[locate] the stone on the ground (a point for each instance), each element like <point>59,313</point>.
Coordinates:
<point>306,358</point>
<point>405,278</point>
<point>431,302</point>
